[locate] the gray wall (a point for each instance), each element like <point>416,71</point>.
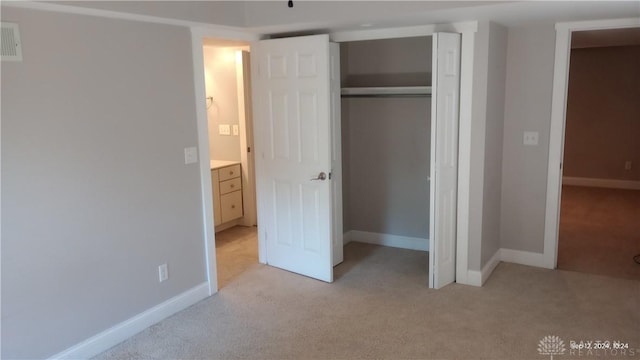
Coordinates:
<point>386,147</point>
<point>603,113</point>
<point>95,193</point>
<point>389,166</point>
<point>393,62</point>
<point>493,142</point>
<point>530,57</point>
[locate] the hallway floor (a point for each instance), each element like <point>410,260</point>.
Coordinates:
<point>600,231</point>
<point>236,251</point>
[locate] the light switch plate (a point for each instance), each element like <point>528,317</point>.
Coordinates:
<point>530,138</point>
<point>163,273</point>
<point>190,155</point>
<point>235,130</point>
<point>224,129</point>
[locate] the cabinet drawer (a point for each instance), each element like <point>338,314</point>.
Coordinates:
<point>229,172</point>
<point>231,206</point>
<point>230,185</point>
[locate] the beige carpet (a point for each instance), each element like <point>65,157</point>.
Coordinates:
<point>600,231</point>
<point>236,251</point>
<point>379,307</point>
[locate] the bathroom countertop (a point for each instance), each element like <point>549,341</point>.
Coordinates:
<point>217,164</point>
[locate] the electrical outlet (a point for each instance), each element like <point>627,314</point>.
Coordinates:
<point>627,165</point>
<point>235,130</point>
<point>163,272</point>
<point>530,138</point>
<point>224,129</point>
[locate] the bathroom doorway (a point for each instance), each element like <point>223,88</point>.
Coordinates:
<point>229,118</point>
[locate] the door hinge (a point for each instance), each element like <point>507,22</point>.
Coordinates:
<point>330,175</point>
<point>248,149</point>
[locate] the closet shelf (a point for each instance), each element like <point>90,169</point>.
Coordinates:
<point>386,91</point>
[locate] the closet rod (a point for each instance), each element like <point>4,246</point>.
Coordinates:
<point>377,91</point>
<point>384,95</point>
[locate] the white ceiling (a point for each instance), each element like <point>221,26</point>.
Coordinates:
<point>265,14</point>
<point>271,17</point>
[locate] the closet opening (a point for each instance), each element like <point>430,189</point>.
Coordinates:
<point>230,132</point>
<point>386,152</point>
<point>394,179</point>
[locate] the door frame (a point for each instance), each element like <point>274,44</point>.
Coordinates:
<point>245,122</point>
<point>558,121</point>
<point>198,34</point>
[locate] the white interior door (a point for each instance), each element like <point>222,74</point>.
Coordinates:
<point>444,158</point>
<point>293,153</point>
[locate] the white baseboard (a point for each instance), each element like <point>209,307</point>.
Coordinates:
<point>478,278</point>
<point>228,225</point>
<point>474,278</point>
<point>126,329</point>
<point>491,265</point>
<point>523,258</point>
<point>604,183</point>
<point>346,238</point>
<point>404,242</point>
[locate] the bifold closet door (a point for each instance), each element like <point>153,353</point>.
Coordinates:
<point>293,153</point>
<point>444,158</point>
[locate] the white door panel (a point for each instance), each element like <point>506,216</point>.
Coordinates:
<point>444,158</point>
<point>292,140</point>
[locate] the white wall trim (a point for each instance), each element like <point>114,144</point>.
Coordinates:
<point>222,31</point>
<point>197,36</point>
<point>126,329</point>
<point>401,32</point>
<point>478,278</point>
<point>464,154</point>
<point>524,258</point>
<point>403,242</point>
<point>598,24</point>
<point>491,265</point>
<point>228,225</point>
<point>602,183</point>
<point>346,238</point>
<point>556,133</point>
<point>474,278</point>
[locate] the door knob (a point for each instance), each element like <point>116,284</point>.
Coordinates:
<point>321,176</point>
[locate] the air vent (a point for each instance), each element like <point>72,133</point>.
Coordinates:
<point>11,47</point>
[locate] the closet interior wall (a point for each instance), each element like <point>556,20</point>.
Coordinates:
<point>386,140</point>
